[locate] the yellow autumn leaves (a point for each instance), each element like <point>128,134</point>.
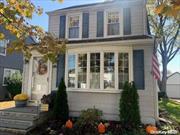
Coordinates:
<point>170,8</point>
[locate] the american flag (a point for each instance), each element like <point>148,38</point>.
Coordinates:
<point>155,65</point>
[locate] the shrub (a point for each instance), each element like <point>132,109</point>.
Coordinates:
<point>61,109</point>
<point>88,121</point>
<point>129,106</point>
<point>49,99</point>
<point>14,84</point>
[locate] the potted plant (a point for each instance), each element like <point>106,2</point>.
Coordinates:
<point>21,100</point>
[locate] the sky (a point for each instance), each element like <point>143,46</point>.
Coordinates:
<point>49,5</point>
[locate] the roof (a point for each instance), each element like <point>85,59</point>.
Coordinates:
<point>173,74</point>
<point>110,39</point>
<point>84,5</point>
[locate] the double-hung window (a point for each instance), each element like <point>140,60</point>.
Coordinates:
<point>3,45</point>
<point>113,23</point>
<point>9,73</point>
<point>74,23</point>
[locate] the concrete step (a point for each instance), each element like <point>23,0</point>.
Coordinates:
<point>11,131</point>
<point>18,116</point>
<point>16,124</point>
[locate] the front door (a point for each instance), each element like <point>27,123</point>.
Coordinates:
<point>40,77</point>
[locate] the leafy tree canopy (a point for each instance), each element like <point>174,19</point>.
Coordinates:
<point>14,15</point>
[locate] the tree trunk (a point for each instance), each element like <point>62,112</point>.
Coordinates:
<point>162,84</point>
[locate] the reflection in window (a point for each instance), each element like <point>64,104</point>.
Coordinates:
<point>11,73</point>
<point>123,69</point>
<point>113,23</point>
<point>71,71</point>
<point>74,27</point>
<point>109,80</point>
<point>95,70</point>
<point>82,70</point>
<point>3,44</point>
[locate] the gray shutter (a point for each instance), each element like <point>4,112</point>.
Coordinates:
<point>100,24</point>
<point>127,21</point>
<point>60,68</point>
<point>85,27</point>
<point>138,65</point>
<point>62,26</point>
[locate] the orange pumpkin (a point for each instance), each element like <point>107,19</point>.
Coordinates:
<point>151,129</point>
<point>101,128</point>
<point>69,124</point>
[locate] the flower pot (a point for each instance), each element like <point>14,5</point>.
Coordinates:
<point>21,103</point>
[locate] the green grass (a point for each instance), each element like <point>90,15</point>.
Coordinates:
<point>173,109</point>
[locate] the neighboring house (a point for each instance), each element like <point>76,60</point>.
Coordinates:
<point>108,45</point>
<point>173,85</point>
<point>9,64</point>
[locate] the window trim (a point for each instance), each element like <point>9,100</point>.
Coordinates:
<point>116,51</point>
<point>11,69</point>
<point>80,26</point>
<point>120,11</point>
<point>7,42</point>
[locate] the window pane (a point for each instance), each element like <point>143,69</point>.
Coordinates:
<point>113,29</point>
<point>82,70</point>
<point>95,70</point>
<point>74,32</point>
<point>71,71</point>
<point>123,69</point>
<point>109,81</point>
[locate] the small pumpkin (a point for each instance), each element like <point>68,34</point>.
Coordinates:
<point>69,124</point>
<point>151,129</point>
<point>21,97</point>
<point>101,128</point>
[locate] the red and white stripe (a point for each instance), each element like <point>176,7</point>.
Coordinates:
<point>155,67</point>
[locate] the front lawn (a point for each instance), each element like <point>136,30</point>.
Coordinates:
<point>172,108</point>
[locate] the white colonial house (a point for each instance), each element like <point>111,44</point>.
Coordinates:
<point>108,44</point>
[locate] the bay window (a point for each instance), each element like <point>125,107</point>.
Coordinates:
<point>109,80</point>
<point>71,71</point>
<point>95,70</point>
<point>82,70</point>
<point>113,23</point>
<point>74,26</point>
<point>123,69</point>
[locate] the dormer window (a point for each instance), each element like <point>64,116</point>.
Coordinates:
<point>113,23</point>
<point>74,26</point>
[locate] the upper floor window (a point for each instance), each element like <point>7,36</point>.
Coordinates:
<point>113,23</point>
<point>74,26</point>
<point>3,44</point>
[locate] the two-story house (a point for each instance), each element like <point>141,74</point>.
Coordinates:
<point>108,44</point>
<point>9,63</point>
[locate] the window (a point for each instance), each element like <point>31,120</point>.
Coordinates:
<point>3,44</point>
<point>82,70</point>
<point>123,69</point>
<point>71,71</point>
<point>113,23</point>
<point>109,79</point>
<point>8,73</point>
<point>74,27</point>
<point>95,70</point>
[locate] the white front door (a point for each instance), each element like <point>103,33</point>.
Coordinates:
<point>40,78</point>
